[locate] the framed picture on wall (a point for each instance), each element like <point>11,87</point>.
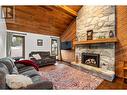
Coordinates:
<point>89,34</point>
<point>54,47</point>
<point>39,42</point>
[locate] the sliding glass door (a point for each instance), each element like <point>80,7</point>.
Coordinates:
<point>18,46</point>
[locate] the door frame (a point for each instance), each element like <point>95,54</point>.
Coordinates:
<point>23,52</point>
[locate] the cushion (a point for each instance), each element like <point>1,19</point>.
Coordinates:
<point>28,63</point>
<point>24,69</point>
<point>41,85</point>
<point>17,81</point>
<point>36,79</point>
<point>30,73</point>
<point>20,65</point>
<point>15,70</point>
<point>3,68</point>
<point>36,56</point>
<point>8,62</point>
<point>3,72</point>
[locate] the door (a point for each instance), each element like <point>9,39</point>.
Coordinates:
<point>18,46</point>
<point>54,47</point>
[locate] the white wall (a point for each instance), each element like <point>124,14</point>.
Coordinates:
<point>2,37</point>
<point>31,42</point>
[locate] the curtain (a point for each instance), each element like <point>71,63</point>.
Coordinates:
<point>9,43</point>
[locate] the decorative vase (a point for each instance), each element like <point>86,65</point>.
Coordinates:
<point>111,34</point>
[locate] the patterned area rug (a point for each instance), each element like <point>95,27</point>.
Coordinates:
<point>66,77</point>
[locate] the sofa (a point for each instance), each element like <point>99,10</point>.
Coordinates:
<point>7,66</point>
<point>45,58</point>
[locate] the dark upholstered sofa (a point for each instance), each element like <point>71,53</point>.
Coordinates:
<point>7,66</point>
<point>46,59</point>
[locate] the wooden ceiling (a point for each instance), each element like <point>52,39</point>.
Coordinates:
<point>47,20</point>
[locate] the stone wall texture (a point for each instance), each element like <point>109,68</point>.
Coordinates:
<point>100,19</point>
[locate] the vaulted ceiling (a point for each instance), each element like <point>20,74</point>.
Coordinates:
<point>47,20</point>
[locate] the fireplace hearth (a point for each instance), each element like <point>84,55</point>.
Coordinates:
<point>91,59</point>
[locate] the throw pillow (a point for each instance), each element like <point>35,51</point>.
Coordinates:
<point>36,56</point>
<point>17,81</point>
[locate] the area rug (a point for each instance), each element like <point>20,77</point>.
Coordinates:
<point>66,77</point>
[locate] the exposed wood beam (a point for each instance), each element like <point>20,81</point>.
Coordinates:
<point>68,10</point>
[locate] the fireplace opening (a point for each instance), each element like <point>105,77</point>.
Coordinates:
<point>90,59</point>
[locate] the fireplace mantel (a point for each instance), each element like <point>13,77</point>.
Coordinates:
<point>105,40</point>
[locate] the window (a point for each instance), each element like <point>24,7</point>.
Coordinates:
<point>17,46</point>
<point>54,47</point>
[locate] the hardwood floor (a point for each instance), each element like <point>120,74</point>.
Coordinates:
<point>117,84</point>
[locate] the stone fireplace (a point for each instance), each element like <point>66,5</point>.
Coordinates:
<point>90,59</point>
<point>104,51</point>
<point>97,57</point>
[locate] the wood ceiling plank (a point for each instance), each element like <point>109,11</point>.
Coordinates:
<point>75,7</point>
<point>68,10</point>
<point>48,20</point>
<point>30,29</point>
<point>69,34</point>
<point>57,20</point>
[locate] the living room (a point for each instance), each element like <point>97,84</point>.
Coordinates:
<point>63,47</point>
